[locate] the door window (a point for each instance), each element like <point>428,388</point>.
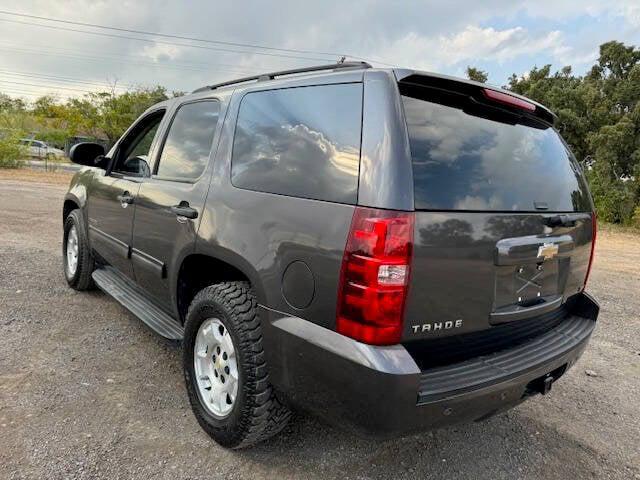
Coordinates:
<point>133,153</point>
<point>187,146</point>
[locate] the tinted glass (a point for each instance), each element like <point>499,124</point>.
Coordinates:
<point>143,145</point>
<point>302,142</point>
<point>186,150</point>
<point>467,158</point>
<point>133,156</point>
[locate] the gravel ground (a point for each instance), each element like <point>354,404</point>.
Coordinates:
<point>87,391</point>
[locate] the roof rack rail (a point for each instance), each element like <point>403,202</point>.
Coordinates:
<point>272,75</point>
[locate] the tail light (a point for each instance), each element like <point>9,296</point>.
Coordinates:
<point>375,276</point>
<point>594,231</point>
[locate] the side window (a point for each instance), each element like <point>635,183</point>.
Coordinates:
<point>302,142</point>
<point>188,144</point>
<point>133,153</point>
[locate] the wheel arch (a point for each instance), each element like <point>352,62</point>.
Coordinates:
<point>76,197</point>
<point>71,202</point>
<point>199,270</point>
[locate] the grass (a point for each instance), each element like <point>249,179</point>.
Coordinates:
<point>615,228</point>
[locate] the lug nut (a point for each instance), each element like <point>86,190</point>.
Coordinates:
<point>218,349</point>
<point>215,372</point>
<point>222,378</point>
<point>226,370</point>
<point>224,355</point>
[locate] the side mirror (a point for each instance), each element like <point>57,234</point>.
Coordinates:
<point>88,154</point>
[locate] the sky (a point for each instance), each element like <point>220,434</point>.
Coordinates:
<point>40,56</point>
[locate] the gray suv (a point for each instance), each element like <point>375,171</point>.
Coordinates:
<point>390,249</point>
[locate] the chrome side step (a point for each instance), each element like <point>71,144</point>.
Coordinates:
<point>133,298</point>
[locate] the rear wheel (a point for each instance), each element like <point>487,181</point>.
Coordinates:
<point>76,254</point>
<point>225,370</point>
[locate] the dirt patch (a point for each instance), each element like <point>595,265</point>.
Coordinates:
<point>36,176</point>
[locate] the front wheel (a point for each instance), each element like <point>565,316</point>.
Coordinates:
<point>76,254</point>
<point>225,370</point>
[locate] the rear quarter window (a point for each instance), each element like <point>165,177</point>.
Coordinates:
<point>302,142</point>
<point>467,158</point>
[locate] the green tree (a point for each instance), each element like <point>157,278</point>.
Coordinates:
<point>117,112</point>
<point>477,75</point>
<point>599,116</point>
<point>8,104</point>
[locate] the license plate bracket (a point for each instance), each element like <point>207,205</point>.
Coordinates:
<point>526,284</point>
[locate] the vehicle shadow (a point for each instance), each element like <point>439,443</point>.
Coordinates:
<point>510,445</point>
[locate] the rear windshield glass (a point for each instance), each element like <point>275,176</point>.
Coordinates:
<point>468,156</point>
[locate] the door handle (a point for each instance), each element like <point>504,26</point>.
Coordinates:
<point>185,211</point>
<point>125,199</point>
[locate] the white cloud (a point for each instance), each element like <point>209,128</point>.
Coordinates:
<point>472,44</point>
<point>427,34</point>
<point>161,52</point>
<point>627,10</point>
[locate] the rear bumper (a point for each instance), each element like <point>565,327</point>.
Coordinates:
<point>380,391</point>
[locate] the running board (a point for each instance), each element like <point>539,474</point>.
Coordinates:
<point>133,298</point>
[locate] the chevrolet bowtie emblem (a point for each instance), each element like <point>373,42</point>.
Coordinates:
<point>547,251</point>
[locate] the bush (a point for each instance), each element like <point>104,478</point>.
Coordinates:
<point>615,201</point>
<point>635,220</point>
<point>11,152</point>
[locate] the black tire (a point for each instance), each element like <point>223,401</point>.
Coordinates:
<point>81,278</point>
<point>256,414</point>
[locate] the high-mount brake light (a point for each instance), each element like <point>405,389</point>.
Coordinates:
<point>375,276</point>
<point>594,232</point>
<point>507,99</point>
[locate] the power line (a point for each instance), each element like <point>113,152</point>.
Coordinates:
<point>101,59</point>
<point>33,93</point>
<point>54,86</point>
<point>119,57</point>
<point>160,42</point>
<point>91,58</point>
<point>14,92</point>
<point>47,86</point>
<point>177,37</point>
<point>65,79</point>
<point>53,78</point>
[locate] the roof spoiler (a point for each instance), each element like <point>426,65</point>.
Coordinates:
<point>479,91</point>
